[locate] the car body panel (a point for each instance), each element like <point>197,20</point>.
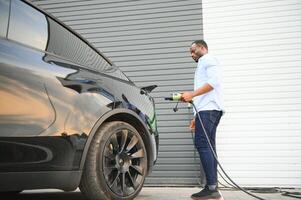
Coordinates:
<point>51,107</point>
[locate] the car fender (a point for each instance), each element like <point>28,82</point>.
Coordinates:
<point>149,138</point>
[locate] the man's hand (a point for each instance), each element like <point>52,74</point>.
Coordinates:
<point>192,124</point>
<point>187,96</point>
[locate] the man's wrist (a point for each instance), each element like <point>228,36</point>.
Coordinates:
<point>194,94</point>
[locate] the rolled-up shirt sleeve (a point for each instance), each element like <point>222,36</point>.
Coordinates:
<point>213,73</point>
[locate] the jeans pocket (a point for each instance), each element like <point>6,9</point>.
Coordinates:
<point>215,116</point>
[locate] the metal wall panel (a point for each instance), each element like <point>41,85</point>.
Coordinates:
<point>259,44</point>
<point>149,41</point>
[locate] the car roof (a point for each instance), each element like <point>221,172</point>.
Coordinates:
<point>69,29</point>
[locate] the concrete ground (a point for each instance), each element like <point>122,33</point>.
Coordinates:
<point>184,193</point>
<point>147,193</point>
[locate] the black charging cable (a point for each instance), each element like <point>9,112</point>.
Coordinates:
<point>177,97</point>
<point>296,195</point>
<point>215,156</point>
<point>175,109</point>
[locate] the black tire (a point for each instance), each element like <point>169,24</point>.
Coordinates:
<point>116,164</point>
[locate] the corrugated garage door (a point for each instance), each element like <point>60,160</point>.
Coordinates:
<point>149,41</point>
<point>259,44</point>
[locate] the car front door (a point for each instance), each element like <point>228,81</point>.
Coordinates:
<point>25,107</point>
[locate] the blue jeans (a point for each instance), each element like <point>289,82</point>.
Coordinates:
<point>210,120</point>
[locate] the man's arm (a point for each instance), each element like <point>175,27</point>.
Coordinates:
<point>213,80</point>
<point>188,96</point>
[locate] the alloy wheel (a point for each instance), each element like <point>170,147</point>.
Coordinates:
<point>124,162</point>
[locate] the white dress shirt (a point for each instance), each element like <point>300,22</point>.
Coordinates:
<point>209,71</point>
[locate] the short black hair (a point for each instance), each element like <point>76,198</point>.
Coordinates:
<point>200,43</point>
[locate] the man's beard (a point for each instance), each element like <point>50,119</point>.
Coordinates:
<point>197,59</point>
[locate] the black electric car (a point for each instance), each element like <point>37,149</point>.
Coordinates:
<point>68,117</point>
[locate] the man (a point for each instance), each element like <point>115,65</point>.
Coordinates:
<point>207,97</point>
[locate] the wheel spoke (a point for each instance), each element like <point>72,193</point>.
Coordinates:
<point>137,154</point>
<point>114,142</point>
<point>132,143</point>
<point>112,167</point>
<point>124,136</point>
<point>139,169</point>
<point>123,186</point>
<point>134,183</point>
<point>109,155</point>
<point>108,171</point>
<point>115,179</point>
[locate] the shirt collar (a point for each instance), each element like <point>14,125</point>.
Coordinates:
<point>203,57</point>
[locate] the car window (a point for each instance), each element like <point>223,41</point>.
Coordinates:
<point>31,27</point>
<point>27,25</point>
<point>4,13</point>
<point>64,43</point>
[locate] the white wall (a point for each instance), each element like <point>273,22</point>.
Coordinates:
<point>259,44</point>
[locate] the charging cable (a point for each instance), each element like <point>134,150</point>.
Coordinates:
<point>215,156</point>
<point>175,109</point>
<point>178,97</point>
